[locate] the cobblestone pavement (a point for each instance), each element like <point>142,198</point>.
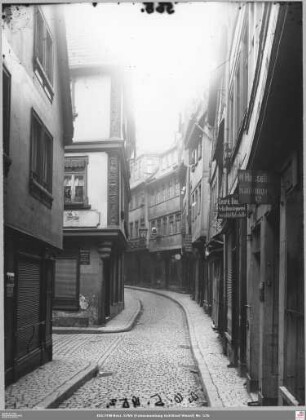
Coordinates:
<point>153,359</point>
<point>31,389</point>
<point>224,385</point>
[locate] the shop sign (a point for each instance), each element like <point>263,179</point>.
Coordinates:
<point>84,257</point>
<point>230,208</point>
<point>188,243</point>
<point>81,218</point>
<point>138,243</point>
<point>256,187</point>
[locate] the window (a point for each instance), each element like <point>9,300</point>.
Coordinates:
<point>75,180</point>
<point>163,198</point>
<point>171,189</point>
<point>137,228</point>
<point>159,226</point>
<point>199,200</point>
<point>178,222</point>
<point>171,225</point>
<point>41,161</point>
<point>6,119</point>
<point>142,222</point>
<point>177,187</point>
<point>131,230</point>
<point>43,54</point>
<point>165,226</point>
<point>200,150</point>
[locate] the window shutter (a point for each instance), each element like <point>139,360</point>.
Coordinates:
<point>66,290</point>
<point>229,286</point>
<point>28,305</point>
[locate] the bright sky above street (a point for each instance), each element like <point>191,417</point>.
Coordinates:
<point>170,58</point>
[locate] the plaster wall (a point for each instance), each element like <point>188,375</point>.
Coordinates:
<point>23,211</point>
<point>92,91</point>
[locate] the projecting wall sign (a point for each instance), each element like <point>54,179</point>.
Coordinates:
<point>257,187</point>
<point>230,208</point>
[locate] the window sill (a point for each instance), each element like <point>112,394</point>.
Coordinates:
<point>43,79</point>
<point>40,193</point>
<point>74,206</point>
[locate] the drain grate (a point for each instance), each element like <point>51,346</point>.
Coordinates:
<point>184,346</point>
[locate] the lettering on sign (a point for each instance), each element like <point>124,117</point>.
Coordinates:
<point>84,257</point>
<point>230,208</point>
<point>257,187</point>
<point>188,243</point>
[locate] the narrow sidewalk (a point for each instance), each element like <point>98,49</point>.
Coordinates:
<point>123,322</point>
<point>53,382</point>
<point>223,385</point>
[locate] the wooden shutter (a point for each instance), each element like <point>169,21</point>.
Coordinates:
<point>66,290</point>
<point>28,305</point>
<point>229,285</point>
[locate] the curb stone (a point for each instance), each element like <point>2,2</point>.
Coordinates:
<point>68,388</point>
<point>102,330</point>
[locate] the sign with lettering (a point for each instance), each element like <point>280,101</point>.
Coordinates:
<point>84,257</point>
<point>257,187</point>
<point>81,218</point>
<point>188,243</point>
<point>230,208</point>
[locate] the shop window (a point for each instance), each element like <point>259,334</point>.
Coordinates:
<point>75,182</point>
<point>41,161</point>
<point>43,54</point>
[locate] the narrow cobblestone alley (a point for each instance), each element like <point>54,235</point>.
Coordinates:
<point>151,361</point>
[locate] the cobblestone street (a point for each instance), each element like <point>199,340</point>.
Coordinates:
<point>151,361</point>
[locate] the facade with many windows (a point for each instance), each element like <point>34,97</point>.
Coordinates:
<point>37,124</point>
<point>138,262</point>
<point>155,223</point>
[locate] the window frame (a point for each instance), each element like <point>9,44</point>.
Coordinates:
<point>44,71</point>
<point>81,171</point>
<point>38,188</point>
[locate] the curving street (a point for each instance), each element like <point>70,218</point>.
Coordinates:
<point>149,367</point>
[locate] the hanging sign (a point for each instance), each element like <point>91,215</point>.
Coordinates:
<point>84,256</point>
<point>257,187</point>
<point>188,243</point>
<point>230,208</point>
